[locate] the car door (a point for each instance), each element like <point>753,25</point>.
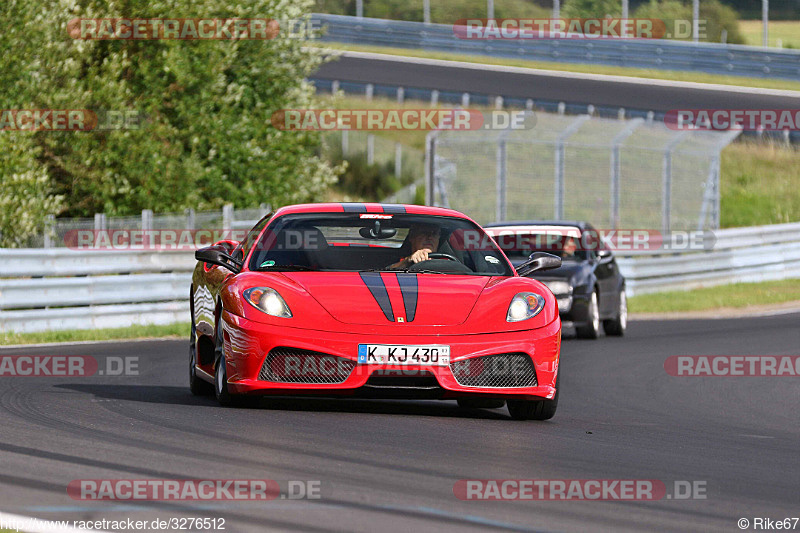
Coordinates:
<point>606,273</point>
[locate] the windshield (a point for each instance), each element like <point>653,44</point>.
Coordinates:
<point>358,242</point>
<point>563,241</point>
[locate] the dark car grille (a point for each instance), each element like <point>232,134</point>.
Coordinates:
<point>292,365</point>
<point>506,370</point>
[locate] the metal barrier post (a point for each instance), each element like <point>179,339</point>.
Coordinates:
<point>559,164</point>
<point>190,219</point>
<point>616,143</point>
<point>147,219</point>
<point>398,159</point>
<point>430,169</point>
<point>49,230</point>
<point>500,184</point>
<point>666,182</point>
<point>227,216</point>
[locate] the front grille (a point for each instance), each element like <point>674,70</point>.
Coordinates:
<point>508,370</point>
<point>293,365</point>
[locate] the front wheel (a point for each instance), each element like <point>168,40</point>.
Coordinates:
<point>592,328</point>
<point>223,395</point>
<point>617,326</point>
<point>534,409</point>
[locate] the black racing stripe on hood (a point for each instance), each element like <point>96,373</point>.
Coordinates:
<point>375,284</point>
<point>409,287</point>
<point>393,208</point>
<point>354,208</point>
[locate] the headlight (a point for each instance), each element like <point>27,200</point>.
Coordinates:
<point>267,300</point>
<point>523,306</point>
<point>559,288</point>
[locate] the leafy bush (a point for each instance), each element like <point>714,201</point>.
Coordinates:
<point>207,138</point>
<point>368,182</point>
<point>717,15</point>
<point>591,8</point>
<point>25,194</point>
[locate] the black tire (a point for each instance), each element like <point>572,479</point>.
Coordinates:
<point>618,325</point>
<point>196,384</point>
<point>481,403</point>
<point>592,328</point>
<point>221,392</point>
<point>534,409</point>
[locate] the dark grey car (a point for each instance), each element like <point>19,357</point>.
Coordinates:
<point>589,286</point>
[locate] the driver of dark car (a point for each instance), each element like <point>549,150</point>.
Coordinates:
<point>424,240</point>
<point>569,249</point>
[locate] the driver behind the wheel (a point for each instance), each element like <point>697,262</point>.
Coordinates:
<point>424,240</point>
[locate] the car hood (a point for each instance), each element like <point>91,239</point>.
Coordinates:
<point>378,298</point>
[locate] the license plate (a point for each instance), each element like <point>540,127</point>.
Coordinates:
<point>401,354</point>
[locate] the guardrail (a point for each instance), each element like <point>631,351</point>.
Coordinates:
<point>57,289</point>
<point>712,58</point>
<point>759,253</point>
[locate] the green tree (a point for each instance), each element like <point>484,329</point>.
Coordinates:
<point>206,138</point>
<point>25,195</point>
<point>591,8</point>
<point>716,15</point>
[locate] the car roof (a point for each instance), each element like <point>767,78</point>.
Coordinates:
<point>582,225</point>
<point>369,207</point>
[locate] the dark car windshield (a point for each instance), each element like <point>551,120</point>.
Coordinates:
<point>376,242</point>
<point>563,241</point>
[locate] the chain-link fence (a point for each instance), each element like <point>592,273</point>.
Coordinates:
<point>612,173</point>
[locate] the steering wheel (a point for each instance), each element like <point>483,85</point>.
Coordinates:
<point>437,255</point>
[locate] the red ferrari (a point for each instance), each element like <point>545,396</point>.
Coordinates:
<point>374,300</point>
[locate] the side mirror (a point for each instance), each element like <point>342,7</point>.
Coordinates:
<point>216,256</point>
<point>539,261</point>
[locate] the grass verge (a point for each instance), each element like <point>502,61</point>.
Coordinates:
<point>671,75</point>
<point>759,184</point>
<point>733,296</point>
<point>787,31</point>
<point>177,330</point>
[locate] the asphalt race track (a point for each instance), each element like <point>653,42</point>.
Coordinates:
<point>610,91</point>
<point>393,464</point>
